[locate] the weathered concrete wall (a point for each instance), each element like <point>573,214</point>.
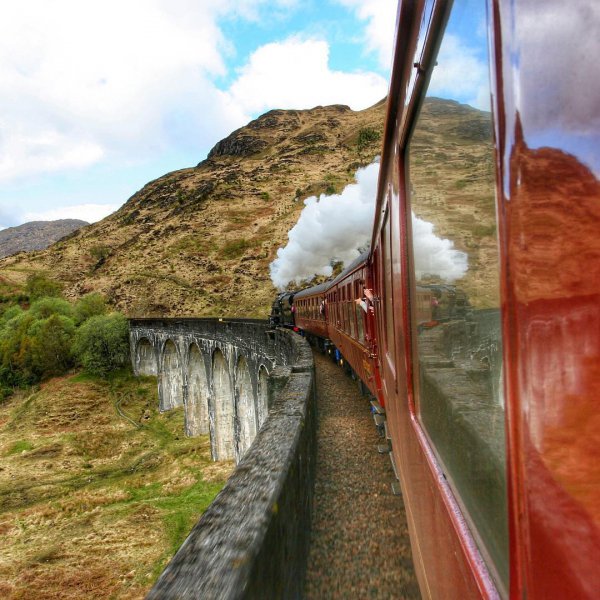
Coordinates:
<point>252,542</point>
<point>225,372</point>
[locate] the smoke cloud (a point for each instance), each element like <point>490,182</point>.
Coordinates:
<point>329,228</point>
<point>333,228</point>
<point>435,255</point>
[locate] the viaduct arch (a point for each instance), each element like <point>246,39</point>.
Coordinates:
<point>220,371</point>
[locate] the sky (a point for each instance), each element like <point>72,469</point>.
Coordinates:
<point>97,98</point>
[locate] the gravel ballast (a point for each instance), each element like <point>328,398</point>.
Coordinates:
<point>359,539</point>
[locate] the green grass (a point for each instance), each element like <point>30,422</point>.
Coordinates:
<point>235,249</point>
<point>19,446</point>
<point>182,510</point>
<point>484,230</point>
<point>99,473</point>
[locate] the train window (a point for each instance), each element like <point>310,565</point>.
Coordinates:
<point>386,259</point>
<point>456,302</point>
<point>360,323</point>
<point>352,319</point>
<point>359,312</point>
<point>333,308</point>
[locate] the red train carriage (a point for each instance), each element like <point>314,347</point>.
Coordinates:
<point>490,412</point>
<point>482,288</point>
<point>342,312</point>
<point>311,314</point>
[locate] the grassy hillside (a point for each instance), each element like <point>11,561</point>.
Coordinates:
<point>199,241</point>
<point>97,489</point>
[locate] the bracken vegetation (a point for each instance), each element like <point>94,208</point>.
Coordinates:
<point>97,488</point>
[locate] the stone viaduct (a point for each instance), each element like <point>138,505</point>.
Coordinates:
<point>251,388</point>
<point>218,370</point>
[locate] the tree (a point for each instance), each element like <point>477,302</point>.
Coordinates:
<point>102,343</point>
<point>49,345</point>
<point>38,286</point>
<point>46,307</point>
<point>88,306</point>
<point>10,313</point>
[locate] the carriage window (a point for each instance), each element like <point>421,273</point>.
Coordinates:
<point>351,319</point>
<point>386,259</point>
<point>359,311</point>
<point>360,323</point>
<point>455,303</point>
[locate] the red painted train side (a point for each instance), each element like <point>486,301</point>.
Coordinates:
<point>496,443</point>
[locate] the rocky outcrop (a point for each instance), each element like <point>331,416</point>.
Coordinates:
<point>238,144</point>
<point>36,235</point>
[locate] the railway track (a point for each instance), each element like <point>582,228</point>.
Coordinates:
<point>359,540</point>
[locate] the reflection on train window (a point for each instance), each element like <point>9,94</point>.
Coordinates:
<point>455,303</point>
<point>351,319</point>
<point>386,259</point>
<point>360,323</point>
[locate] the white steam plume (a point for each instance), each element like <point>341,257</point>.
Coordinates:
<point>435,255</point>
<point>329,228</point>
<point>333,228</point>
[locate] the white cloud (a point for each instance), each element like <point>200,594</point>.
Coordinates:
<point>87,81</point>
<point>381,23</point>
<point>460,74</point>
<point>295,74</point>
<point>86,212</point>
<point>44,150</point>
<point>84,82</point>
<point>562,72</point>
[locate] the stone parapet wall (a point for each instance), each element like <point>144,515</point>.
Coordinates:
<point>252,542</point>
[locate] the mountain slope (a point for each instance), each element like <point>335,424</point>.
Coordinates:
<point>35,235</point>
<point>199,241</point>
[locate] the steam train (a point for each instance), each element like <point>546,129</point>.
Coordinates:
<point>485,374</point>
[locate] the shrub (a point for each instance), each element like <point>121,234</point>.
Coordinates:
<point>15,355</point>
<point>39,285</point>
<point>90,305</point>
<point>102,343</point>
<point>10,313</point>
<point>235,248</point>
<point>50,342</point>
<point>36,344</point>
<point>366,136</point>
<point>100,252</point>
<point>46,307</point>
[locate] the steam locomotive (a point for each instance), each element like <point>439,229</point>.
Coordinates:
<point>484,374</point>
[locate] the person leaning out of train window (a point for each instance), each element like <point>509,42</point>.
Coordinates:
<point>363,303</point>
<point>322,309</point>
